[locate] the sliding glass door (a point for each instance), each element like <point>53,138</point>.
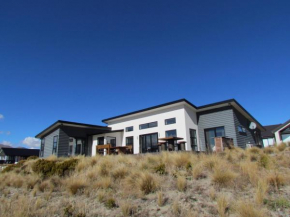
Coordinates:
<point>149,143</point>
<point>210,134</point>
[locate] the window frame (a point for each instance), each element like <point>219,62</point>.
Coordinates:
<point>148,125</point>
<point>165,121</point>
<point>193,139</point>
<point>54,144</point>
<point>171,130</point>
<point>128,129</point>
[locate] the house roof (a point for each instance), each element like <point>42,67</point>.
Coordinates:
<point>23,152</point>
<point>151,108</point>
<point>73,128</point>
<point>231,102</point>
<point>268,133</point>
<point>281,126</point>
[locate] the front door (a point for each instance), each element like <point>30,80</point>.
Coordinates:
<point>149,143</point>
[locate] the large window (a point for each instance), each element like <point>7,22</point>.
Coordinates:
<point>54,146</point>
<point>170,121</point>
<point>149,143</point>
<point>193,140</point>
<point>170,133</point>
<point>129,129</point>
<point>148,125</point>
<point>210,134</point>
<point>42,147</point>
<point>129,140</point>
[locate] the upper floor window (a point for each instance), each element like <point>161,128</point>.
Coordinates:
<point>54,146</point>
<point>170,121</point>
<point>170,133</point>
<point>148,125</point>
<point>129,129</point>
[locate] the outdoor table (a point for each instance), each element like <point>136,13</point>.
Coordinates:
<point>182,145</point>
<point>120,149</point>
<point>171,141</point>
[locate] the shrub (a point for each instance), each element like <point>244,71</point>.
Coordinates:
<point>48,168</point>
<point>119,173</point>
<point>223,177</point>
<point>254,150</point>
<point>128,209</point>
<point>147,183</point>
<point>181,183</point>
<point>160,169</point>
<point>269,150</point>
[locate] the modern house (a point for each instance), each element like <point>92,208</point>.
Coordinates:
<point>276,134</point>
<point>14,155</point>
<point>142,129</point>
<point>282,133</point>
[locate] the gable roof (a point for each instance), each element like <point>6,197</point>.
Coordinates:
<point>281,126</point>
<point>24,152</point>
<point>75,125</point>
<point>231,102</point>
<point>268,133</point>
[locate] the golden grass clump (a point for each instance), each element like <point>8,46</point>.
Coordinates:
<point>160,198</point>
<point>181,183</point>
<point>128,209</point>
<point>261,191</point>
<point>247,209</point>
<point>198,171</point>
<point>282,146</point>
<point>75,185</point>
<point>276,179</point>
<point>147,183</point>
<point>222,205</point>
<point>223,177</point>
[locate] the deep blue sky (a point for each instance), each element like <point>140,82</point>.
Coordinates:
<point>85,61</point>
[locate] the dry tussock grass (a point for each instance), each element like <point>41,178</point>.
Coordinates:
<point>132,185</point>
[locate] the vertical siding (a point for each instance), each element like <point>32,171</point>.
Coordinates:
<point>211,119</point>
<point>48,143</point>
<point>63,144</point>
<point>243,138</point>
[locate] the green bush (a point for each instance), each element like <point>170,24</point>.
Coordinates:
<point>49,168</point>
<point>110,203</point>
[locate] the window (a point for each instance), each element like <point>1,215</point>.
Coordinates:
<point>170,133</point>
<point>54,147</point>
<point>78,149</point>
<point>210,134</point>
<point>170,121</point>
<point>42,147</point>
<point>129,129</point>
<point>193,139</point>
<point>129,140</point>
<point>101,140</point>
<point>148,125</point>
<point>241,129</point>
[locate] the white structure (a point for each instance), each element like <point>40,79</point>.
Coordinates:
<point>282,133</point>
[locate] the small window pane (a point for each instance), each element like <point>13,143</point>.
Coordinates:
<point>143,126</point>
<point>170,121</point>
<point>170,133</point>
<point>153,124</point>
<point>220,132</point>
<point>129,129</point>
